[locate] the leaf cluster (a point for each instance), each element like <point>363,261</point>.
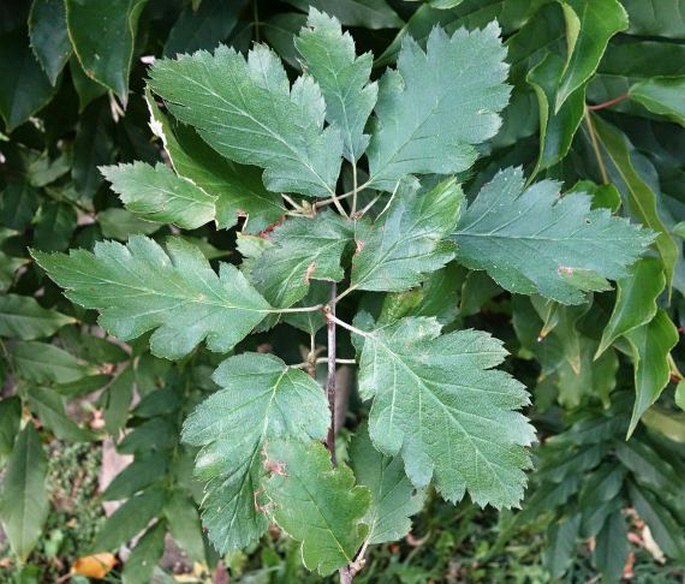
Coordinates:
<point>483,218</point>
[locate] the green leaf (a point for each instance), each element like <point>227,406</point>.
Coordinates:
<point>103,37</point>
<point>438,403</point>
<point>156,434</point>
<point>407,242</point>
<point>636,297</point>
<point>141,563</point>
<point>156,193</point>
<point>589,26</point>
<point>185,526</point>
<point>49,405</point>
<point>641,199</point>
<point>665,528</point>
<point>561,545</point>
<point>303,249</point>
<point>146,470</point>
<point>49,36</point>
<point>280,32</point>
<point>680,395</point>
<point>21,317</point>
<point>121,224</point>
<point>87,89</point>
<point>238,189</point>
<point>118,399</point>
<point>329,56</point>
<point>18,205</point>
<point>140,287</point>
<point>663,96</point>
<point>247,111</point>
<point>56,224</point>
<point>656,18</point>
<point>651,345</point>
<point>202,28</point>
<point>373,14</point>
<point>557,129</point>
<point>10,418</point>
<point>45,363</point>
<point>532,241</point>
<point>316,504</point>
<point>261,399</point>
<point>93,147</point>
<point>24,501</point>
<point>129,520</point>
<point>423,105</point>
<point>25,87</point>
<point>393,498</point>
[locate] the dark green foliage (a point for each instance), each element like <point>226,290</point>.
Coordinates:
<point>483,211</point>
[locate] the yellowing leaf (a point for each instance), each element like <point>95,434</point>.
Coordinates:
<point>95,566</point>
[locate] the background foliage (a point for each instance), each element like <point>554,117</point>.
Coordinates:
<point>596,103</point>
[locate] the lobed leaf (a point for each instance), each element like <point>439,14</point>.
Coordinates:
<point>238,189</point>
<point>140,287</point>
<point>437,105</point>
<point>533,242</point>
<point>393,498</point>
<point>329,56</point>
<point>408,241</point>
<point>303,249</point>
<point>157,194</point>
<point>438,404</point>
<point>316,504</point>
<point>247,111</point>
<point>261,399</point>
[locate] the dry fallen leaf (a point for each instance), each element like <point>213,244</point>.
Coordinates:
<point>95,566</point>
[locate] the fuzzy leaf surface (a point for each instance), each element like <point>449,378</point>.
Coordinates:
<point>533,242</point>
<point>304,249</point>
<point>157,194</point>
<point>438,403</point>
<point>261,399</point>
<point>140,287</point>
<point>393,498</point>
<point>409,240</point>
<point>438,105</point>
<point>330,57</point>
<point>316,504</point>
<point>238,189</point>
<point>247,111</point>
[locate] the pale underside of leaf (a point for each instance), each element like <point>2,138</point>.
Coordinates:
<point>140,287</point>
<point>247,111</point>
<point>330,58</point>
<point>238,189</point>
<point>261,399</point>
<point>437,402</point>
<point>316,504</point>
<point>303,249</point>
<point>408,241</point>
